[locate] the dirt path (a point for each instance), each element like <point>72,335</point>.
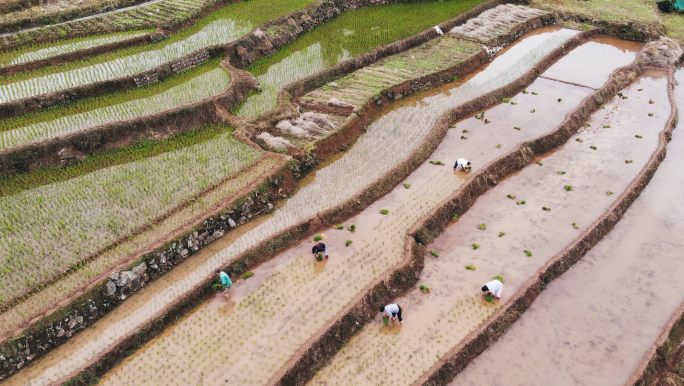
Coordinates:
<point>594,324</point>
<point>436,322</point>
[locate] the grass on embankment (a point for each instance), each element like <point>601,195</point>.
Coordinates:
<point>675,26</point>
<point>106,100</point>
<point>16,183</point>
<point>251,12</point>
<point>621,11</point>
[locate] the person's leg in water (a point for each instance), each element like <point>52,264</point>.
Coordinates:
<point>401,321</point>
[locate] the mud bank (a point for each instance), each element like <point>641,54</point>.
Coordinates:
<point>73,147</point>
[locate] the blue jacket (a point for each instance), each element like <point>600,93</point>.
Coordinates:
<point>225,280</point>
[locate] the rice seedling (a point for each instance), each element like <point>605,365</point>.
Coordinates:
<point>490,298</point>
<point>533,110</point>
<point>464,137</point>
<point>424,289</point>
<point>629,161</point>
<point>651,101</point>
<point>580,140</point>
<point>502,234</point>
<point>506,100</point>
<point>434,253</point>
<point>466,131</point>
<point>348,243</point>
<point>593,147</point>
<point>560,172</point>
<point>471,267</point>
<point>351,228</point>
<point>587,124</point>
<point>318,237</point>
<point>514,103</point>
<point>525,92</point>
<point>384,211</point>
<point>476,246</point>
<point>340,227</point>
<point>521,202</point>
<point>482,227</point>
<point>534,93</point>
<point>528,252</point>
<point>547,209</point>
<point>385,320</point>
<point>517,128</point>
<point>609,193</point>
<point>574,225</point>
<point>512,197</point>
<point>455,218</point>
<point>638,136</point>
<point>540,163</point>
<point>498,146</point>
<point>319,257</point>
<point>568,187</point>
<point>640,89</point>
<point>247,275</point>
<point>560,100</point>
<point>486,120</point>
<point>407,186</point>
<point>438,163</point>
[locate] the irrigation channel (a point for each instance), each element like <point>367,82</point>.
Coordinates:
<point>400,132</point>
<point>202,86</point>
<point>440,320</point>
<point>595,323</point>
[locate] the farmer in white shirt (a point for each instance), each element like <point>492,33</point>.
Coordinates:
<point>494,287</point>
<point>393,311</point>
<point>462,164</point>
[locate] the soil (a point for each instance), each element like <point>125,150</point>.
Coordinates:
<point>594,324</point>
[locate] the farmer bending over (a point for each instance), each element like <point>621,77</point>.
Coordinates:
<point>318,248</point>
<point>494,287</point>
<point>393,311</point>
<point>224,281</point>
<point>462,164</point>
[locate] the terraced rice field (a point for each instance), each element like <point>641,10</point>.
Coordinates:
<point>101,280</point>
<point>398,132</point>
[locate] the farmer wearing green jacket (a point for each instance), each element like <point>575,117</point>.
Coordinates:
<point>224,280</point>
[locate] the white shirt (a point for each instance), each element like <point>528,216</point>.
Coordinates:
<point>391,309</point>
<point>461,163</point>
<point>495,287</point>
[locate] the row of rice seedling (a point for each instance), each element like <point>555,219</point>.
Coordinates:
<point>151,14</point>
<point>221,27</point>
<point>44,51</point>
<point>348,35</point>
<point>496,21</point>
<point>202,86</point>
<point>387,142</point>
<point>48,228</point>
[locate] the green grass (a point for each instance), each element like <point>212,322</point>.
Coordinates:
<point>675,26</point>
<point>13,184</point>
<point>251,12</point>
<point>106,100</point>
<point>605,10</point>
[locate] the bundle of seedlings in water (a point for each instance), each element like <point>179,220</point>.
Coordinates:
<point>434,253</point>
<point>525,92</point>
<point>247,275</point>
<point>480,116</point>
<point>506,100</point>
<point>215,287</point>
<point>438,163</point>
<point>490,298</point>
<point>512,197</point>
<point>579,140</point>
<point>574,225</point>
<point>560,172</point>
<point>521,202</point>
<point>533,110</point>
<point>629,161</point>
<point>606,126</point>
<point>471,267</point>
<point>534,93</point>
<point>499,278</point>
<point>476,246</point>
<point>593,147</point>
<point>603,106</point>
<point>540,163</point>
<point>482,227</point>
<point>464,137</point>
<point>384,211</point>
<point>385,319</point>
<point>424,289</point>
<point>340,227</point>
<point>609,193</point>
<point>568,187</point>
<point>318,237</point>
<point>638,136</point>
<point>517,128</point>
<point>528,252</point>
<point>407,186</point>
<point>640,89</point>
<point>487,120</point>
<point>348,243</point>
<point>501,234</point>
<point>466,131</point>
<point>587,124</point>
<point>619,94</point>
<point>319,256</point>
<point>351,227</point>
<point>650,114</point>
<point>498,146</point>
<point>560,100</point>
<point>651,101</point>
<point>514,103</point>
<point>546,208</point>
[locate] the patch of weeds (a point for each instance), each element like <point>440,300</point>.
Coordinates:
<point>638,136</point>
<point>506,100</point>
<point>578,139</point>
<point>471,267</point>
<point>629,161</point>
<point>455,218</point>
<point>247,275</point>
<point>424,289</point>
<point>512,197</point>
<point>568,187</point>
<point>574,225</point>
<point>351,227</point>
<point>498,146</point>
<point>517,128</point>
<point>540,163</point>
<point>454,79</point>
<point>482,227</point>
<point>501,234</point>
<point>546,209</point>
<point>521,202</point>
<point>609,193</point>
<point>476,246</point>
<point>434,253</point>
<point>407,186</point>
<point>528,252</point>
<point>340,227</point>
<point>384,211</point>
<point>318,237</point>
<point>593,147</point>
<point>603,107</point>
<point>348,243</point>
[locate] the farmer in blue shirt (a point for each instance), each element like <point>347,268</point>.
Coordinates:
<point>225,281</point>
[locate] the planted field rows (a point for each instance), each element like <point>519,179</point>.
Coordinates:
<point>49,228</point>
<point>348,35</point>
<point>511,232</point>
<point>205,85</point>
<point>581,317</point>
<point>400,132</point>
<point>495,22</point>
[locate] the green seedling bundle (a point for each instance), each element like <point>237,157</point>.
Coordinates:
<point>424,289</point>
<point>502,234</point>
<point>482,227</point>
<point>568,188</point>
<point>340,227</point>
<point>318,237</point>
<point>247,275</point>
<point>547,209</point>
<point>528,252</point>
<point>434,253</point>
<point>438,163</point>
<point>351,228</point>
<point>512,197</point>
<point>560,172</point>
<point>476,246</point>
<point>348,243</point>
<point>471,267</point>
<point>407,186</point>
<point>384,211</point>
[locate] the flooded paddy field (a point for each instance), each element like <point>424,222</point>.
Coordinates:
<point>582,329</point>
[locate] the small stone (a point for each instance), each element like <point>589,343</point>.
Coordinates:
<point>72,323</point>
<point>111,288</point>
<point>79,319</point>
<point>60,333</point>
<point>115,277</point>
<point>231,223</point>
<point>184,252</point>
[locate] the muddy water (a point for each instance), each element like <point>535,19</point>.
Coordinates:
<point>595,323</point>
<point>399,132</point>
<point>436,322</point>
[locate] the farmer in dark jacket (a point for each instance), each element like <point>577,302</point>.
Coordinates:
<point>320,248</point>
